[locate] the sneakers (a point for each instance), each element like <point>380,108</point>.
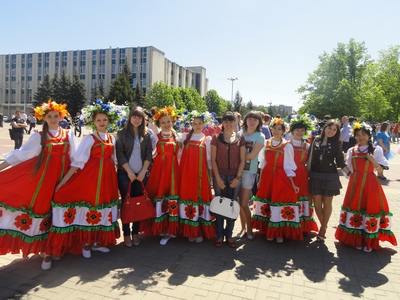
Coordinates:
<point>164,240</point>
<point>197,240</point>
<point>86,253</point>
<point>279,239</point>
<point>367,249</point>
<point>46,265</point>
<point>100,249</point>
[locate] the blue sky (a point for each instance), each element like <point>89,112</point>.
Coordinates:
<point>270,46</point>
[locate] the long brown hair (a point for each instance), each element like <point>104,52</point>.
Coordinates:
<point>191,131</point>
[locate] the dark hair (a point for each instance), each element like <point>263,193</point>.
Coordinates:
<point>337,136</point>
<point>368,132</point>
<point>192,131</point>
<point>383,127</point>
<point>138,112</point>
<point>266,117</point>
<point>228,116</point>
<point>255,115</point>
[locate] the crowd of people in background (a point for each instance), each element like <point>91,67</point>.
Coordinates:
<point>287,168</point>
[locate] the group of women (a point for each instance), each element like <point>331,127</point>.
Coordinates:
<point>59,197</point>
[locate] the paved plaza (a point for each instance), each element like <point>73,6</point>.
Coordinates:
<point>257,269</point>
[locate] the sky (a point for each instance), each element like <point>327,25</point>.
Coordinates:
<point>271,47</point>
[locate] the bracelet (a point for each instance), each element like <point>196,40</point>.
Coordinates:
<point>238,177</point>
<point>348,174</point>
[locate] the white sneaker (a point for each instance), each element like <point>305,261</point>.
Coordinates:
<point>367,249</point>
<point>46,265</point>
<point>359,248</point>
<point>279,239</point>
<point>191,240</point>
<point>199,239</point>
<point>86,253</point>
<point>164,240</point>
<point>100,249</point>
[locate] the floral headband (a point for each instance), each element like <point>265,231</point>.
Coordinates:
<point>166,111</point>
<point>40,111</point>
<point>117,114</point>
<point>363,125</point>
<point>187,117</point>
<point>301,122</point>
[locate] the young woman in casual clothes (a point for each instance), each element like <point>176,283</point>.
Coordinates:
<point>227,158</point>
<point>365,218</point>
<point>276,210</point>
<point>134,155</point>
<point>195,183</point>
<point>325,156</point>
<point>38,166</point>
<point>254,141</point>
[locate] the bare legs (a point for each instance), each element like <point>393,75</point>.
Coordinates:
<point>323,209</point>
<point>245,213</point>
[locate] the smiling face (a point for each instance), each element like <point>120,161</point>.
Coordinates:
<point>298,133</point>
<point>136,121</point>
<point>52,118</point>
<point>277,131</point>
<point>330,131</point>
<point>101,122</point>
<point>197,125</point>
<point>362,137</point>
<point>165,123</point>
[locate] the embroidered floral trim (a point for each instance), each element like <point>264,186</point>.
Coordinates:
<point>86,204</point>
<point>25,210</point>
<point>23,237</point>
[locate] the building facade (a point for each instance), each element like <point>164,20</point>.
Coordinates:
<point>22,74</point>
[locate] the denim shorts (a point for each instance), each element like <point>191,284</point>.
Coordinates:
<point>248,180</point>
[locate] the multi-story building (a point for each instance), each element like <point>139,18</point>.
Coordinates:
<point>22,74</point>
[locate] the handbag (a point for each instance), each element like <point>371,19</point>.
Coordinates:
<point>11,132</point>
<point>137,208</point>
<point>225,207</point>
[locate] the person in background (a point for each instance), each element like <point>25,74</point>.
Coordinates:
<point>32,123</point>
<point>18,126</point>
<point>383,140</point>
<point>265,126</point>
<point>345,132</point>
<point>1,120</point>
<point>64,123</point>
<point>78,122</point>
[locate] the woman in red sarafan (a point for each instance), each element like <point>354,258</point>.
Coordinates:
<point>276,210</point>
<point>163,183</point>
<point>365,218</point>
<point>85,205</point>
<point>195,185</point>
<point>25,213</point>
<point>298,127</point>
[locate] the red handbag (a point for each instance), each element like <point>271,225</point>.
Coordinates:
<point>137,208</point>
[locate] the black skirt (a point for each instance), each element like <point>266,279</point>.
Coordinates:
<point>325,184</point>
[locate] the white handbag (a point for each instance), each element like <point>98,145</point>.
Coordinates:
<point>225,207</point>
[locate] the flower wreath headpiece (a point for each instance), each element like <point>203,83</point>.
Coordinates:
<point>362,125</point>
<point>187,117</point>
<point>301,121</point>
<point>166,111</point>
<point>50,105</point>
<point>117,114</point>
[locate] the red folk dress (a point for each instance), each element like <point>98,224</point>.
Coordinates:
<point>163,188</point>
<point>85,209</point>
<point>276,210</point>
<point>25,198</point>
<point>365,218</point>
<point>306,207</point>
<point>195,189</point>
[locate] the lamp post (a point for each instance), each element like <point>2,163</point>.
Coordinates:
<point>232,79</point>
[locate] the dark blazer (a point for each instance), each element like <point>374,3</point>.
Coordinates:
<point>124,147</point>
<point>332,156</point>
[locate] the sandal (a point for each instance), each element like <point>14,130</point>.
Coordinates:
<point>218,243</point>
<point>321,238</point>
<point>382,177</point>
<point>231,243</point>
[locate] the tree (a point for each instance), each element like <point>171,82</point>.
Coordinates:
<point>191,99</point>
<point>389,79</point>
<point>237,102</point>
<point>139,97</point>
<point>77,95</point>
<point>215,103</point>
<point>44,91</point>
<point>62,89</point>
<point>121,90</point>
<point>334,86</point>
<point>159,95</point>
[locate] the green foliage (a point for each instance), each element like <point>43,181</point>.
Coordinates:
<point>97,92</point>
<point>215,103</point>
<point>334,86</point>
<point>160,95</point>
<point>139,97</point>
<point>191,99</point>
<point>237,102</point>
<point>121,90</point>
<point>77,95</point>
<point>44,91</point>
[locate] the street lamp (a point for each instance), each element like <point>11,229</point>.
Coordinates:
<point>232,79</point>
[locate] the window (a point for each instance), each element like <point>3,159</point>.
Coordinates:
<point>113,69</point>
<point>82,77</point>
<point>102,69</point>
<point>82,71</point>
<point>94,69</point>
